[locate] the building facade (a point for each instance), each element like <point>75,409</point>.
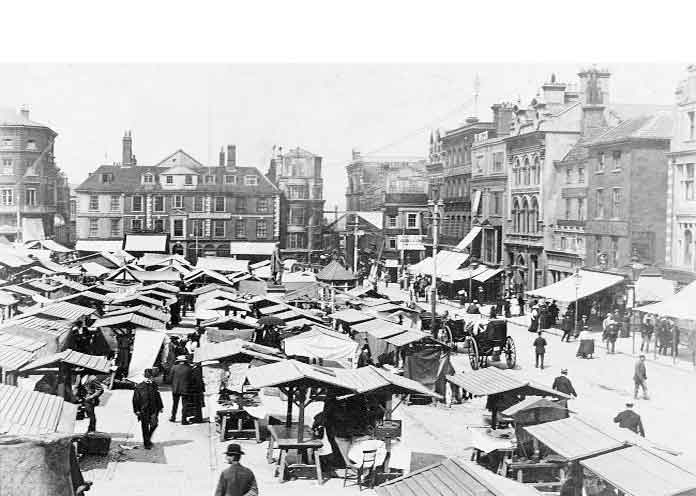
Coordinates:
<point>680,249</point>
<point>34,192</point>
<point>224,210</point>
<point>297,175</point>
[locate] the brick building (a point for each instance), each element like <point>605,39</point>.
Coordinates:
<point>34,192</point>
<point>297,175</point>
<point>223,210</point>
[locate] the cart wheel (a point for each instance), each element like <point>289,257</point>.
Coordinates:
<point>510,352</point>
<point>472,347</point>
<point>447,336</point>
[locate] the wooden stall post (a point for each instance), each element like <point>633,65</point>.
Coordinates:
<point>301,394</point>
<point>288,414</point>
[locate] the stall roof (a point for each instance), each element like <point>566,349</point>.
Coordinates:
<point>30,412</point>
<point>574,438</point>
<point>143,310</point>
<point>91,295</point>
<point>247,248</point>
<point>377,324</point>
<point>219,304</point>
<point>42,286</point>
<point>11,258</point>
<point>590,282</point>
<point>639,472</point>
<point>71,284</point>
<point>151,259</point>
<point>6,298</point>
<point>351,316</point>
<point>137,298</point>
<point>94,269</point>
<point>531,402</point>
<point>454,477</point>
<point>334,271</point>
<point>242,321</point>
<point>447,262</point>
<point>129,318</point>
<point>14,288</point>
<point>153,243</point>
<point>13,358</point>
<point>274,309</point>
<point>48,244</point>
<point>94,363</point>
<point>90,245</point>
<point>491,380</point>
<point>198,273</point>
<point>212,287</point>
<point>406,338</point>
<point>63,310</point>
<point>223,264</point>
<point>21,342</point>
<point>162,286</point>
<point>678,306</point>
<point>287,315</point>
<point>233,347</point>
<point>464,274</point>
<point>164,275</point>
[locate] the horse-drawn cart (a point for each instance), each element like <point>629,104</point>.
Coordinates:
<point>481,338</point>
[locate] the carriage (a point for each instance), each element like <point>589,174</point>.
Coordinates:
<point>482,339</point>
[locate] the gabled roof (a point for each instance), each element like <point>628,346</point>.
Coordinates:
<point>132,319</point>
<point>656,126</point>
<point>94,363</point>
<point>334,271</point>
<point>143,310</point>
<point>178,159</point>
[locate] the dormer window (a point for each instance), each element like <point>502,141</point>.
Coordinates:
<point>251,180</point>
<point>107,178</point>
<point>188,180</point>
<point>148,179</point>
<point>209,179</point>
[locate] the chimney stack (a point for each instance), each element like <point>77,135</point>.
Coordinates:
<point>127,155</point>
<point>222,157</point>
<point>24,110</point>
<point>502,118</point>
<point>594,87</point>
<point>231,156</point>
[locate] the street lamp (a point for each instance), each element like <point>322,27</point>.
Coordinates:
<point>435,213</point>
<point>636,269</point>
<point>578,279</point>
<point>472,267</point>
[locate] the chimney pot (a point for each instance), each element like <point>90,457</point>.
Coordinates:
<point>221,162</point>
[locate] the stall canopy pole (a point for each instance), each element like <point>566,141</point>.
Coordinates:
<point>387,442</point>
<point>301,394</point>
<point>288,414</point>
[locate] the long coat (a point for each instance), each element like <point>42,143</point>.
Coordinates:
<point>147,399</point>
<point>181,374</point>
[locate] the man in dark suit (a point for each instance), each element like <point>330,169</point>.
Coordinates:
<point>147,405</point>
<point>563,384</point>
<point>628,419</point>
<point>236,480</point>
<point>181,378</point>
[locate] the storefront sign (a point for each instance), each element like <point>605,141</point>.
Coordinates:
<point>607,227</point>
<point>409,242</point>
<point>388,429</point>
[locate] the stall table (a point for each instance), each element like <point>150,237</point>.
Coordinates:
<point>285,439</point>
<point>236,423</point>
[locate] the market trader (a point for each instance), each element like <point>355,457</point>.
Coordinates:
<point>236,480</point>
<point>628,419</point>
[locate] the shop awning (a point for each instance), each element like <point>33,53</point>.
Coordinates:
<point>245,248</point>
<point>153,243</point>
<point>639,472</point>
<point>32,229</point>
<point>469,238</point>
<point>678,306</point>
<point>464,274</point>
<point>590,282</point>
<point>487,274</point>
<point>653,288</point>
<point>447,262</point>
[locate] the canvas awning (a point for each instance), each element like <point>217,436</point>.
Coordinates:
<point>590,282</point>
<point>487,274</point>
<point>322,343</point>
<point>638,472</point>
<point>491,380</point>
<point>32,229</point>
<point>653,288</point>
<point>469,238</point>
<point>678,306</point>
<point>95,246</point>
<point>350,316</point>
<point>222,264</point>
<point>153,243</point>
<point>246,248</point>
<point>48,244</point>
<point>447,262</point>
<point>464,274</point>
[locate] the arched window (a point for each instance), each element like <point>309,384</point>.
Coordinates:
<point>516,172</point>
<point>209,251</point>
<point>525,217</point>
<point>223,251</point>
<point>537,170</point>
<point>533,216</point>
<point>515,216</point>
<point>688,248</point>
<point>178,249</point>
<point>525,171</point>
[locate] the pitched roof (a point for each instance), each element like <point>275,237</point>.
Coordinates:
<point>94,363</point>
<point>10,117</point>
<point>30,412</point>
<point>178,158</point>
<point>657,126</point>
<point>334,271</point>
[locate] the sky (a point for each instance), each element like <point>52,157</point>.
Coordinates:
<point>328,109</point>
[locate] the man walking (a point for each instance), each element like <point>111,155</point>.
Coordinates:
<point>181,378</point>
<point>640,378</point>
<point>563,384</point>
<point>236,480</point>
<point>88,392</point>
<point>628,419</point>
<point>147,405</point>
<point>540,350</point>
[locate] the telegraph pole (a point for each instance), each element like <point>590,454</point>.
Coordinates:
<point>435,207</point>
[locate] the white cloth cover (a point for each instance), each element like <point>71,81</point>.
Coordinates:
<point>146,346</point>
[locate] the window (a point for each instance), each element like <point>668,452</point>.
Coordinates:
<point>178,201</point>
<point>261,229</point>
<point>107,178</point>
<point>93,228</point>
<point>616,199</point>
<point>497,161</point>
<point>7,167</point>
<point>525,171</point>
<point>598,244</point>
<point>412,221</point>
<point>31,197</point>
<point>564,243</point>
<point>115,204</point>
<point>197,203</point>
<point>209,179</point>
<point>93,203</point>
<point>169,179</point>
<point>516,172</point>
<point>197,228</point>
<point>600,163</point>
<point>158,203</point>
<point>688,182</point>
<point>115,228</point>
<point>230,179</point>
<point>537,171</point>
<point>137,203</point>
<point>392,243</point>
<point>241,205</point>
<point>136,225</point>
<point>391,221</point>
<point>497,202</point>
<point>297,216</point>
<point>31,144</point>
<point>616,159</point>
<point>251,180</point>
<point>7,197</point>
<point>7,142</point>
<point>568,207</point>
<point>581,175</point>
<point>148,179</point>
<point>158,225</point>
<point>297,240</point>
<point>692,125</point>
<point>240,228</point>
<point>178,228</point>
<point>688,248</point>
<point>298,192</point>
<point>262,205</point>
<point>569,175</point>
<point>219,228</point>
<point>219,203</point>
<point>599,199</point>
<point>515,216</point>
<point>614,251</point>
<point>188,180</point>
<point>581,209</point>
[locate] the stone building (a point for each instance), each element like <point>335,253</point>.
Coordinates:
<point>223,210</point>
<point>34,192</point>
<point>680,248</point>
<point>297,175</point>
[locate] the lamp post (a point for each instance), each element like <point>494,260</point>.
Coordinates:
<point>472,266</point>
<point>636,269</point>
<point>435,208</point>
<point>578,279</point>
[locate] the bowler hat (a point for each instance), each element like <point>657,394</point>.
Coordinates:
<point>234,449</point>
<point>181,358</point>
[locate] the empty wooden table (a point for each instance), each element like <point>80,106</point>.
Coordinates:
<point>285,439</point>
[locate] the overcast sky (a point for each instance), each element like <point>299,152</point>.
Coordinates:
<point>326,109</point>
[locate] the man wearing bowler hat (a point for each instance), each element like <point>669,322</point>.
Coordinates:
<point>236,480</point>
<point>181,375</point>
